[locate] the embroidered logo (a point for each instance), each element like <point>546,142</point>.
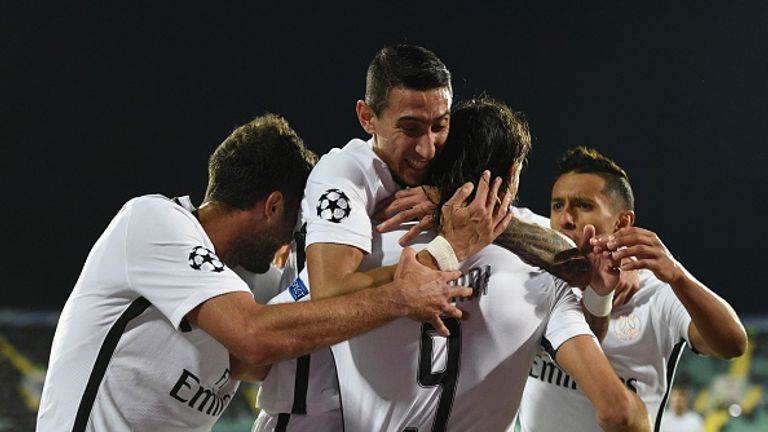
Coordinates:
<point>627,327</point>
<point>333,206</point>
<point>203,259</point>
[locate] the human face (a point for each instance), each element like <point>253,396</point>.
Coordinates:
<point>578,200</point>
<point>411,131</point>
<point>257,250</point>
<point>678,401</point>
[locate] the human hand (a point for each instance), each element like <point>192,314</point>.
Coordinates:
<point>647,250</point>
<point>604,271</point>
<point>425,293</point>
<point>471,227</point>
<point>629,284</point>
<point>408,204</point>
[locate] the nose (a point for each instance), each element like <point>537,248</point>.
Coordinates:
<point>427,146</point>
<point>566,221</point>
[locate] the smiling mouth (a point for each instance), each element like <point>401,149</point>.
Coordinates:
<point>417,165</point>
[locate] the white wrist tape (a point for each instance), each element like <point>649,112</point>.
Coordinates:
<point>596,304</point>
<point>443,253</point>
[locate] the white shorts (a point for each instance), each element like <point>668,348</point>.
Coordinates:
<point>329,421</point>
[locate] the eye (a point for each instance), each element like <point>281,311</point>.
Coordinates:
<point>412,130</point>
<point>557,206</point>
<point>585,206</point>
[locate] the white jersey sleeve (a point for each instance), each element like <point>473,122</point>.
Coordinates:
<point>341,195</point>
<point>122,357</point>
<point>567,318</point>
<point>169,262</point>
<point>672,314</point>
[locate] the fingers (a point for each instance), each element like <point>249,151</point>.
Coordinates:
<point>423,225</point>
<point>589,233</point>
<point>440,327</point>
<point>460,195</point>
<point>502,226</point>
<point>640,251</point>
<point>503,216</point>
<point>407,198</point>
<point>398,219</point>
<point>482,187</point>
<point>455,291</point>
<point>407,260</point>
<point>626,237</point>
<point>493,194</point>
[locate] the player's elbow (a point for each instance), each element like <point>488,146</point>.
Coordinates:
<point>735,346</point>
<point>621,414</point>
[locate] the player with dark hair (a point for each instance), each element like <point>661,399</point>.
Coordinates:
<point>406,111</point>
<point>473,380</point>
<point>159,328</point>
<point>645,336</point>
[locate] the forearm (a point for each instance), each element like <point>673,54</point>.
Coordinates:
<point>545,248</point>
<point>261,335</point>
<point>353,282</point>
<point>715,320</point>
<point>598,325</point>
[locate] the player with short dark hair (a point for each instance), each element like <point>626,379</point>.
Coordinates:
<point>406,111</point>
<point>645,336</point>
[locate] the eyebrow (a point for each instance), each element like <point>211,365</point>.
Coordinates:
<point>422,119</point>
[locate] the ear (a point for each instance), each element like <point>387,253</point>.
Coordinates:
<point>274,206</point>
<point>366,117</point>
<point>626,219</point>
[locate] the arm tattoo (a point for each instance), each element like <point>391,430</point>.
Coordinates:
<point>545,248</point>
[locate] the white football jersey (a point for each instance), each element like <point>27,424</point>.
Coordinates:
<point>645,339</point>
<point>339,200</point>
<point>123,357</point>
<point>404,377</point>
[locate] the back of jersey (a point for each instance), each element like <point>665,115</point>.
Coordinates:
<point>404,377</point>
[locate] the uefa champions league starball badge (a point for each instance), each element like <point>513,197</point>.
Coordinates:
<point>333,206</point>
<point>203,259</point>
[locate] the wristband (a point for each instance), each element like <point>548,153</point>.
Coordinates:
<point>443,253</point>
<point>597,305</point>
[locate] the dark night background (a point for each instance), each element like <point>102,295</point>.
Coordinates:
<point>103,102</point>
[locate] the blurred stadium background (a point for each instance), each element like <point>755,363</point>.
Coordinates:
<point>730,395</point>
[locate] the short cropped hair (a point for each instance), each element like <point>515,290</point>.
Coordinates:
<point>403,66</point>
<point>257,158</point>
<point>583,160</point>
<point>485,135</point>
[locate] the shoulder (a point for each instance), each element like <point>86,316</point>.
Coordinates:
<point>525,214</point>
<point>158,213</point>
<point>356,156</point>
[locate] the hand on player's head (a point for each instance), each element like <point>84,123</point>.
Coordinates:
<point>471,227</point>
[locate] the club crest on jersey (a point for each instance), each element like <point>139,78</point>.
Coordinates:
<point>627,327</point>
<point>203,259</point>
<point>333,206</point>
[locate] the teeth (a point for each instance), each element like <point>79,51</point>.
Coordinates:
<point>417,165</point>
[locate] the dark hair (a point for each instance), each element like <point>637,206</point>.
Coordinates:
<point>485,135</point>
<point>584,160</point>
<point>257,158</point>
<point>408,66</point>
